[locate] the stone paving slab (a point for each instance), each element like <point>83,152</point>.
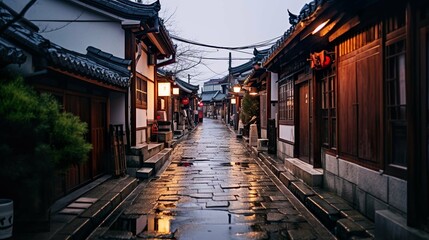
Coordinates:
<point>217,204</point>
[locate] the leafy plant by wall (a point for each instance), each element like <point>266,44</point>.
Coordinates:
<point>249,108</point>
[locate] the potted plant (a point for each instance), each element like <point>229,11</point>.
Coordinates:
<point>36,139</point>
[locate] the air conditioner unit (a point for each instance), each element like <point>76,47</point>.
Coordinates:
<point>262,144</point>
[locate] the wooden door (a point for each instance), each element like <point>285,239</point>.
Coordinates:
<point>304,123</point>
<point>81,107</point>
<point>98,137</point>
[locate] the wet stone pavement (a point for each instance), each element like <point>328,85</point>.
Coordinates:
<point>214,189</point>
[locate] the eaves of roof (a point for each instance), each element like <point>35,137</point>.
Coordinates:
<point>11,55</point>
<point>241,68</point>
<point>248,66</point>
<point>126,9</point>
<point>190,87</point>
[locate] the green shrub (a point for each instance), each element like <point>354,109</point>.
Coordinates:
<point>36,131</point>
<point>249,108</point>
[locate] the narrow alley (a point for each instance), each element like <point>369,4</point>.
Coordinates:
<point>215,189</point>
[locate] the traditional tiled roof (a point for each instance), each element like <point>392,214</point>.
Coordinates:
<point>94,65</point>
<point>10,55</point>
<point>208,95</point>
<point>106,59</point>
<point>126,8</point>
<point>215,81</point>
<point>87,66</point>
<point>219,97</point>
<point>246,67</point>
<point>306,12</point>
<point>187,86</point>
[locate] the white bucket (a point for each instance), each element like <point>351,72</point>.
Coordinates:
<point>6,218</point>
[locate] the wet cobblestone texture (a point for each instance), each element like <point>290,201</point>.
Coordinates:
<point>214,189</point>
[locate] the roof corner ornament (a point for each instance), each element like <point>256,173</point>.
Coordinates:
<point>293,19</point>
<point>155,28</point>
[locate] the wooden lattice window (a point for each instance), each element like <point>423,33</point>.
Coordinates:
<point>395,89</point>
<point>286,105</point>
<point>141,93</point>
<point>329,108</point>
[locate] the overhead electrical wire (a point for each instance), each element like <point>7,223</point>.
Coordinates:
<point>217,58</point>
<point>256,45</point>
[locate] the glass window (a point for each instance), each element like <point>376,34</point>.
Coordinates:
<point>328,108</point>
<point>396,125</point>
<point>286,105</point>
<point>141,93</point>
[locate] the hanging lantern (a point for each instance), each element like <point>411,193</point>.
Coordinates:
<point>320,60</point>
<point>185,101</point>
<point>176,91</point>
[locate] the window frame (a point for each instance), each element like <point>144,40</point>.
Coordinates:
<point>141,92</point>
<point>395,32</point>
<point>329,104</point>
<point>286,102</point>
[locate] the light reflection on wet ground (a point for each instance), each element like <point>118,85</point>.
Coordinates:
<point>214,189</point>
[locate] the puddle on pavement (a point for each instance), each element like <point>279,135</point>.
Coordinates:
<point>165,224</point>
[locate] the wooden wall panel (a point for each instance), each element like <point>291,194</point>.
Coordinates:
<point>347,106</point>
<point>369,81</point>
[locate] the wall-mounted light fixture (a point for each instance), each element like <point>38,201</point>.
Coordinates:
<point>318,28</point>
<point>233,101</point>
<point>164,89</point>
<point>176,91</point>
<point>253,91</point>
<point>237,88</point>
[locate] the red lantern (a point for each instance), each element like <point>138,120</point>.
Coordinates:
<point>185,101</point>
<point>320,60</point>
<point>200,104</point>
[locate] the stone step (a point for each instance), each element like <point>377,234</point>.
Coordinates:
<point>287,178</point>
<point>313,177</point>
<point>152,150</point>
<point>346,229</point>
<point>326,213</point>
<point>157,161</point>
<point>144,173</point>
<point>301,190</point>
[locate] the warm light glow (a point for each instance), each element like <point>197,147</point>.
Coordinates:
<point>176,91</point>
<point>320,27</point>
<point>164,225</point>
<point>253,91</point>
<point>233,101</point>
<point>163,89</point>
<point>237,88</point>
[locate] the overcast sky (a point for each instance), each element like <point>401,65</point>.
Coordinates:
<point>230,23</point>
